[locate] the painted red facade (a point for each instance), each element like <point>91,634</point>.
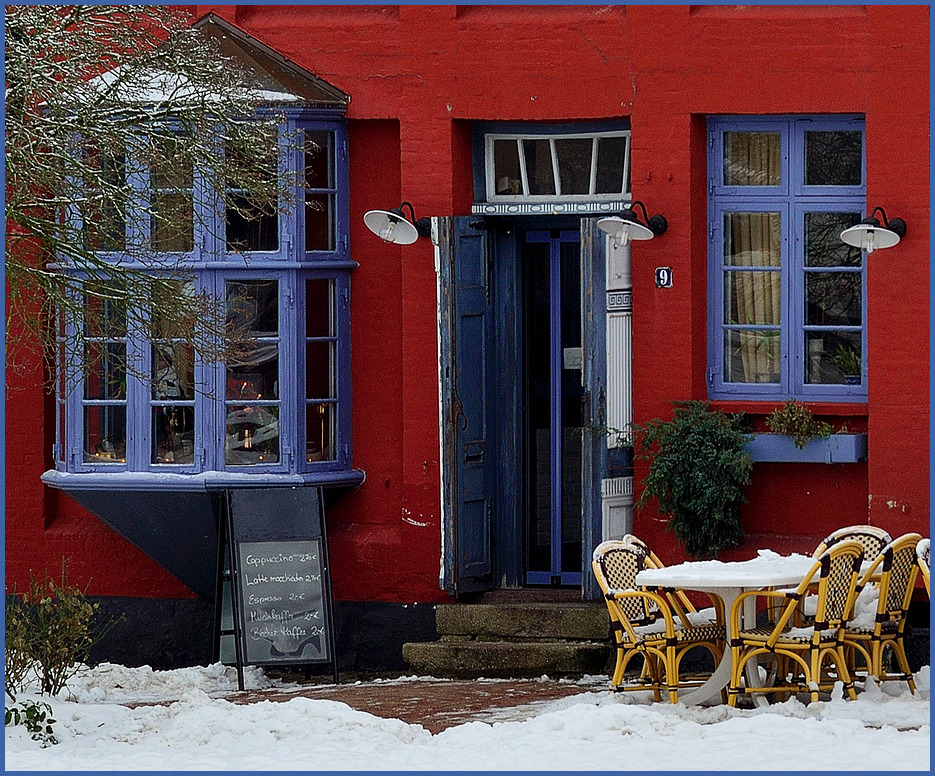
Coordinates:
<point>418,76</point>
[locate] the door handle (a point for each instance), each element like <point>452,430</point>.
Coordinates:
<point>457,410</point>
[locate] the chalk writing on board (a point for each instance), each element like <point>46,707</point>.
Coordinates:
<point>281,590</point>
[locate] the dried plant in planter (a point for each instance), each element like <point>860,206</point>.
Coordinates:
<point>796,420</point>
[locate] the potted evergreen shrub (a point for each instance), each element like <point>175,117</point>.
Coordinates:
<point>697,472</point>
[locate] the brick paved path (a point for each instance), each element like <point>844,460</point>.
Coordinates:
<point>436,704</point>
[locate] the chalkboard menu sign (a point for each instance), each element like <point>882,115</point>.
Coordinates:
<point>279,577</point>
<point>284,608</point>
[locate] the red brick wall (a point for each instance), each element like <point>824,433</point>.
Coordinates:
<point>418,76</point>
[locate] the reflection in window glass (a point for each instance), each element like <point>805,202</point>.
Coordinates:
<point>833,358</point>
<point>612,155</point>
<point>252,435</point>
<point>832,299</point>
<point>319,222</point>
<point>752,159</point>
<point>173,435</point>
<point>172,223</point>
<point>823,244</point>
<point>104,200</point>
<point>319,168</point>
<point>506,167</point>
<point>751,356</point>
<point>105,433</point>
<point>319,423</point>
<point>833,158</point>
<point>539,173</point>
<point>574,164</point>
<point>253,373</point>
<point>252,307</point>
<point>250,228</point>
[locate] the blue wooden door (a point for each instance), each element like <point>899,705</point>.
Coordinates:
<point>466,385</point>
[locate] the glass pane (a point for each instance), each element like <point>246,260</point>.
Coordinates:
<point>104,318</point>
<point>752,298</point>
<point>105,433</point>
<point>752,159</point>
<point>252,435</point>
<point>250,228</point>
<point>319,440</point>
<point>172,222</point>
<point>574,164</point>
<point>506,167</point>
<point>832,298</point>
<point>611,155</point>
<point>170,168</point>
<point>751,356</point>
<point>319,370</point>
<point>105,190</point>
<point>833,158</point>
<point>60,435</point>
<point>173,371</point>
<point>173,435</point>
<point>319,222</point>
<point>318,307</point>
<point>253,307</point>
<point>319,173</point>
<point>823,244</point>
<point>174,308</point>
<point>833,358</point>
<point>254,373</point>
<point>752,239</point>
<point>539,173</point>
<point>106,376</point>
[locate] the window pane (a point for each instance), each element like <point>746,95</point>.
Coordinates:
<point>106,364</point>
<point>751,356</point>
<point>833,358</point>
<point>254,373</point>
<point>318,309</point>
<point>174,308</point>
<point>173,435</point>
<point>319,172</point>
<point>319,222</point>
<point>319,424</point>
<point>611,156</point>
<point>574,164</point>
<point>253,307</point>
<point>104,317</point>
<point>172,222</point>
<point>752,298</point>
<point>752,239</point>
<point>173,371</point>
<point>252,435</point>
<point>823,244</point>
<point>539,173</point>
<point>833,158</point>
<point>250,228</point>
<point>105,433</point>
<point>506,167</point>
<point>832,299</point>
<point>752,159</point>
<point>105,199</point>
<point>319,370</point>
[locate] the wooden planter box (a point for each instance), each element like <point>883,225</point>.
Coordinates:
<point>779,448</point>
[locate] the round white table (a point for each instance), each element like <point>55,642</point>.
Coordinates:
<point>727,580</point>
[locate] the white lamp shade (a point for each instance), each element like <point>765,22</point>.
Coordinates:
<point>868,237</point>
<point>390,227</point>
<point>623,230</point>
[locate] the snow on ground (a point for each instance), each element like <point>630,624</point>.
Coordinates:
<point>194,728</point>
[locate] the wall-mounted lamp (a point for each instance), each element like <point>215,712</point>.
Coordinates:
<point>627,226</point>
<point>392,226</point>
<point>869,235</point>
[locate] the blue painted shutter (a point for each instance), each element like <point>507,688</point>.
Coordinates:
<point>467,359</point>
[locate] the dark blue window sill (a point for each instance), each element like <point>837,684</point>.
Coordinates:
<point>211,480</point>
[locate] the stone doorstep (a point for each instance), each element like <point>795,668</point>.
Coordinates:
<point>498,659</point>
<point>534,621</point>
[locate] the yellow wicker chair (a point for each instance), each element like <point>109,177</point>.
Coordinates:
<point>807,648</point>
<point>923,556</point>
<point>870,632</point>
<point>645,624</point>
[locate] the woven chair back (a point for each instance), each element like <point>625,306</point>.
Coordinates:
<point>837,584</point>
<point>618,562</point>
<point>898,577</point>
<point>872,538</point>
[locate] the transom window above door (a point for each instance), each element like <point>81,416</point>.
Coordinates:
<point>551,168</point>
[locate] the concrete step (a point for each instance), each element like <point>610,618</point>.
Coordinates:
<point>571,621</point>
<point>506,660</point>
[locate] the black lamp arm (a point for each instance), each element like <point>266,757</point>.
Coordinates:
<point>896,225</point>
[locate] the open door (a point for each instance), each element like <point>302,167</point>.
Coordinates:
<point>466,362</point>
